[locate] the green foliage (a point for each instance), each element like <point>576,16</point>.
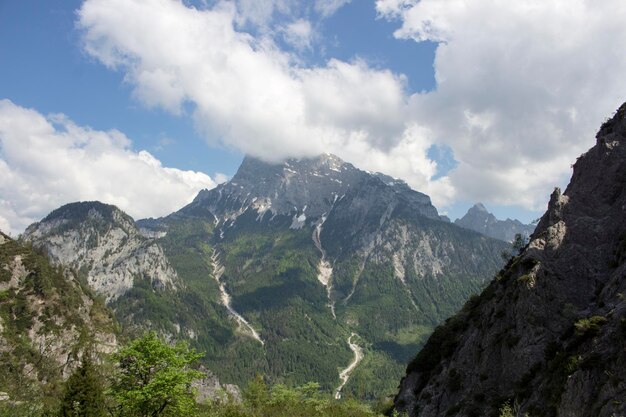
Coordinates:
<point>517,246</point>
<point>84,392</point>
<point>155,378</point>
<point>261,400</point>
<point>589,326</point>
<point>441,345</point>
<point>49,299</point>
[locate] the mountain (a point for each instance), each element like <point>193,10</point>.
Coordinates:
<point>292,270</point>
<point>310,251</point>
<point>129,269</point>
<point>548,334</point>
<point>104,241</point>
<point>48,320</point>
<point>479,219</point>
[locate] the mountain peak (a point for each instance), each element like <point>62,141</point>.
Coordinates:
<point>298,185</point>
<point>105,240</point>
<point>98,214</point>
<point>556,313</point>
<point>479,207</point>
<point>254,168</point>
<point>479,219</point>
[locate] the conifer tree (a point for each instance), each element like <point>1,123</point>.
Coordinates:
<point>84,392</point>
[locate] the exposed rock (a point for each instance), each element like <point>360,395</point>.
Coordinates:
<point>296,187</point>
<point>47,322</point>
<point>549,333</point>
<point>103,242</point>
<point>209,388</point>
<point>482,221</point>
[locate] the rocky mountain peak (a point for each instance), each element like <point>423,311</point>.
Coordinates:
<point>478,207</point>
<point>99,215</point>
<point>308,186</point>
<point>548,333</point>
<point>479,219</point>
<point>105,242</point>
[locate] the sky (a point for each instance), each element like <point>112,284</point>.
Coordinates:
<point>142,103</point>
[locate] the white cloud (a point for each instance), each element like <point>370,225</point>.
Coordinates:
<point>329,7</point>
<point>247,93</point>
<point>49,161</point>
<point>519,92</point>
<point>265,13</point>
<point>521,87</point>
<point>298,34</point>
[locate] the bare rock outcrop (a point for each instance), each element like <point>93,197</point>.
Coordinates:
<point>103,242</point>
<point>548,335</point>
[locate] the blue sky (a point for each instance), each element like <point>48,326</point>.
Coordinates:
<point>485,102</point>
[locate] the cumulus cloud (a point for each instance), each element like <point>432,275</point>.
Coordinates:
<point>246,92</point>
<point>263,13</point>
<point>49,161</point>
<point>329,7</point>
<point>298,34</point>
<point>521,86</point>
<point>518,97</point>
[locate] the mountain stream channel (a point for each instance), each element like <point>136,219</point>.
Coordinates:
<point>218,270</point>
<point>345,374</point>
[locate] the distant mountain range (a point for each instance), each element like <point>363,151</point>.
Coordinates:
<point>479,219</point>
<point>547,336</point>
<point>285,270</point>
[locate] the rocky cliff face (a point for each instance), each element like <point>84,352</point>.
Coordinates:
<point>104,243</point>
<point>549,333</point>
<point>308,187</point>
<point>47,321</point>
<point>482,221</point>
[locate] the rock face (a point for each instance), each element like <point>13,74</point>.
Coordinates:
<point>47,321</point>
<point>308,186</point>
<point>549,333</point>
<point>309,251</point>
<point>480,220</point>
<point>103,242</point>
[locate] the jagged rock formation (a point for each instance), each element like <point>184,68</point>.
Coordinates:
<point>482,221</point>
<point>307,187</point>
<point>47,321</point>
<point>549,333</point>
<point>105,243</point>
<point>312,250</point>
<point>209,389</point>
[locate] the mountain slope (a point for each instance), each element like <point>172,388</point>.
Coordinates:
<point>480,220</point>
<point>311,251</point>
<point>549,332</point>
<point>104,241</point>
<point>132,271</point>
<point>48,319</point>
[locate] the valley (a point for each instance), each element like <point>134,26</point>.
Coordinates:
<point>274,271</point>
<point>326,208</point>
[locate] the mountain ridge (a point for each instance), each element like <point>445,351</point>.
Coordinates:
<point>547,333</point>
<point>479,219</point>
<point>278,267</point>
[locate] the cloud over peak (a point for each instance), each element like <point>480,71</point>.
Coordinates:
<point>47,161</point>
<point>519,93</point>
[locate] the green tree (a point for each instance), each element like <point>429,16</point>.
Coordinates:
<point>84,392</point>
<point>519,243</point>
<point>154,378</point>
